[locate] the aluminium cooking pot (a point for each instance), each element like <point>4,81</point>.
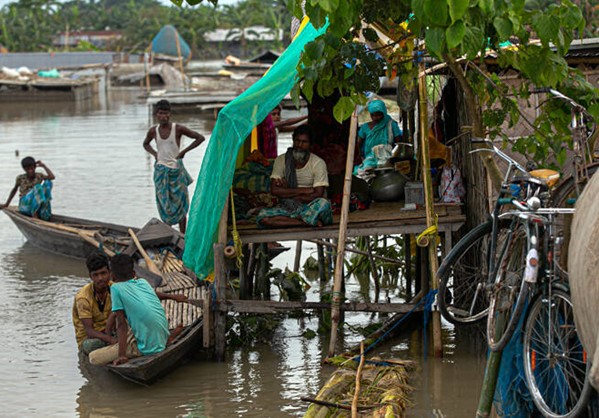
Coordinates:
<point>388,185</point>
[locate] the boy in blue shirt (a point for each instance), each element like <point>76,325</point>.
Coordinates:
<point>134,302</point>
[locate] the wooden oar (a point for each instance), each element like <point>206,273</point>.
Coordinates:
<point>96,244</point>
<point>149,263</point>
<point>85,234</point>
<point>65,228</point>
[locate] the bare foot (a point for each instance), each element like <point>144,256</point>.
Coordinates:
<point>174,334</point>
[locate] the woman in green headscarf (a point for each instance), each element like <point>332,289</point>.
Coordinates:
<point>381,130</point>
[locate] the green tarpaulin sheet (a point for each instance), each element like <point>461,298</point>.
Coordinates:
<point>234,124</point>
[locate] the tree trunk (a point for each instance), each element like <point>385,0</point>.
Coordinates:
<point>474,115</point>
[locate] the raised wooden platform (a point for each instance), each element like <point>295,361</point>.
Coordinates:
<point>380,219</point>
<point>47,89</point>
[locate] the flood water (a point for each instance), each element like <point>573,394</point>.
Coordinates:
<point>102,172</point>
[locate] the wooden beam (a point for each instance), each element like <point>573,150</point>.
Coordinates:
<point>452,223</point>
<point>269,306</point>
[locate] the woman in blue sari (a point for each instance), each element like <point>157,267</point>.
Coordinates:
<point>381,130</point>
<point>35,190</point>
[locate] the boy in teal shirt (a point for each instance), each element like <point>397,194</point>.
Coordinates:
<point>134,302</point>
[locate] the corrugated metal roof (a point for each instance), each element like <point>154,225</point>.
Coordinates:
<point>43,60</point>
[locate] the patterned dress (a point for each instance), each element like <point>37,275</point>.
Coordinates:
<point>35,195</point>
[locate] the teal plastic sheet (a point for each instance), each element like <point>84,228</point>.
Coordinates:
<point>165,42</point>
<point>234,124</point>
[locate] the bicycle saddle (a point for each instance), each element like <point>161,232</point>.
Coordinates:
<point>550,177</point>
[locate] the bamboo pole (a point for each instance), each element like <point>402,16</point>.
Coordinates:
<point>349,165</point>
<point>485,403</point>
<point>428,201</point>
<point>179,53</point>
<point>354,404</point>
<point>146,67</point>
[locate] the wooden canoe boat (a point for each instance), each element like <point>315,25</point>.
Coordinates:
<point>146,369</point>
<point>77,237</point>
<point>74,237</point>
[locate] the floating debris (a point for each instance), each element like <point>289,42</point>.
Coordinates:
<point>382,390</point>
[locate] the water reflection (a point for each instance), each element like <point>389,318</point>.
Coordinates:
<point>103,173</point>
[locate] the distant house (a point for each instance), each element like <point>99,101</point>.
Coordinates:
<point>3,49</point>
<point>99,38</point>
<point>252,33</point>
<point>240,42</point>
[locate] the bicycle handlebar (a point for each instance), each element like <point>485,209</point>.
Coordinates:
<point>498,152</point>
<point>559,95</point>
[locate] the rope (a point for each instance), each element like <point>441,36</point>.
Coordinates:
<point>428,301</point>
<point>424,238</point>
<point>236,240</point>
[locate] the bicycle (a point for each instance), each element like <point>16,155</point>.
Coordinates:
<point>466,269</point>
<point>583,129</point>
<point>465,272</point>
<point>555,363</point>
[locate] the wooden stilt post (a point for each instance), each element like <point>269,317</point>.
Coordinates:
<point>251,268</point>
<point>243,278</point>
<point>208,329</point>
<point>220,319</point>
<point>349,165</point>
<point>321,268</point>
<point>428,200</point>
<point>298,255</point>
<point>220,278</point>
<point>407,249</point>
<point>262,288</point>
<point>374,271</point>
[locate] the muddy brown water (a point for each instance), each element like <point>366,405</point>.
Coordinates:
<point>102,172</point>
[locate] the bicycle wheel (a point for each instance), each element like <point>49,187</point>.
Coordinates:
<point>463,276</point>
<point>509,290</point>
<point>555,363</point>
<point>566,190</point>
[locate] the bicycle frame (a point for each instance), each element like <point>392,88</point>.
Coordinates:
<point>544,220</point>
<point>500,202</point>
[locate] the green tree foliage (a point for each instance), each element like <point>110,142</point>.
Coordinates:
<point>453,30</point>
<point>32,25</point>
<point>350,57</point>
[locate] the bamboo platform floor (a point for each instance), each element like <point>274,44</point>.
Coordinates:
<point>381,218</point>
<point>175,281</point>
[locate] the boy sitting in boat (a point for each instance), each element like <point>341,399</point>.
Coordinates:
<point>135,303</point>
<point>299,179</point>
<point>34,190</point>
<point>92,308</point>
<point>170,176</point>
